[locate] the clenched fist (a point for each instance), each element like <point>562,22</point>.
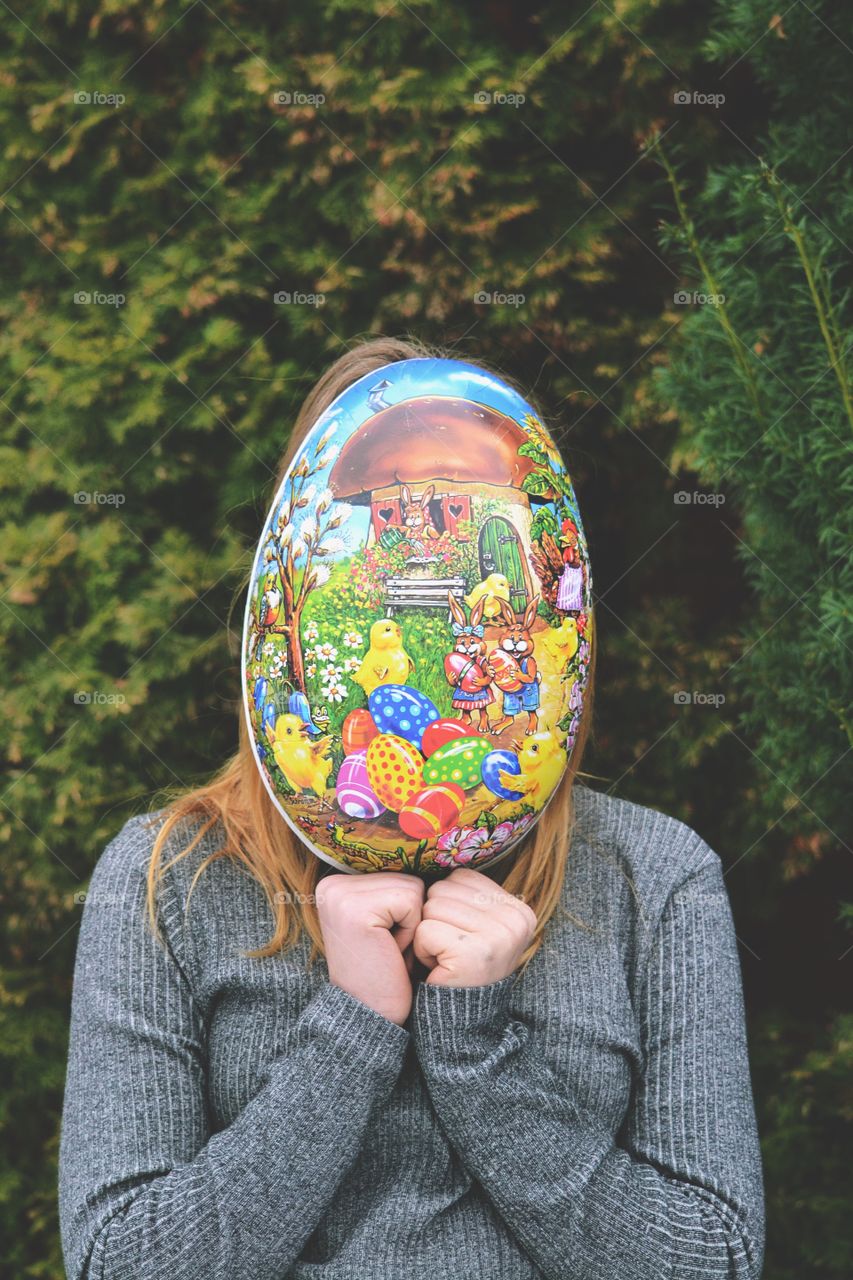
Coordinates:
<point>368,922</point>
<point>471,932</point>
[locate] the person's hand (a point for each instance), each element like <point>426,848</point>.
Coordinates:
<point>472,932</point>
<point>368,922</point>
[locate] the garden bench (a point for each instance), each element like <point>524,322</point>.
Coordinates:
<point>430,593</point>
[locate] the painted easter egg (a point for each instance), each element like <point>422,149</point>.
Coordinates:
<point>462,671</point>
<point>394,770</point>
<point>458,761</point>
<point>506,670</point>
<point>492,764</point>
<point>357,731</point>
<point>400,709</point>
<point>432,811</point>
<point>353,791</point>
<point>441,731</point>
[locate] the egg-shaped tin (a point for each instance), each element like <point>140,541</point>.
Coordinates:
<point>425,522</point>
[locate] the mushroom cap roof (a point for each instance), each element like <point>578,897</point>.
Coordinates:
<point>431,438</point>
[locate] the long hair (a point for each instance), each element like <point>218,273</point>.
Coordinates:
<point>250,829</point>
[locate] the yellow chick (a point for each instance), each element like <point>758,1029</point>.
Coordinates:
<point>386,661</point>
<point>302,761</point>
<point>562,642</point>
<point>542,762</point>
<point>493,588</point>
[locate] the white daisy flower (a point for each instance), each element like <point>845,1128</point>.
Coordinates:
<point>311,631</point>
<point>334,692</point>
<point>311,670</point>
<point>326,651</point>
<point>330,672</point>
<point>351,665</point>
<point>353,640</point>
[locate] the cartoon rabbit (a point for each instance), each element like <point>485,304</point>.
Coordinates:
<point>522,672</point>
<point>466,667</point>
<point>417,519</point>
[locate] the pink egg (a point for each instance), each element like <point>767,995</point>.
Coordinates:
<point>353,791</point>
<point>462,671</point>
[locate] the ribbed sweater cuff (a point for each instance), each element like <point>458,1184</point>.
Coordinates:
<point>455,1026</point>
<point>347,1028</point>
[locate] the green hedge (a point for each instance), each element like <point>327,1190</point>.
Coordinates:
<point>167,397</point>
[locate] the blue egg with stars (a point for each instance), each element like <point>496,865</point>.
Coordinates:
<point>400,709</point>
<point>491,767</point>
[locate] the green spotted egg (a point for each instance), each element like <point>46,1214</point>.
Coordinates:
<point>458,761</point>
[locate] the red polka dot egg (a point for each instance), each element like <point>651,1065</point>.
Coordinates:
<point>394,770</point>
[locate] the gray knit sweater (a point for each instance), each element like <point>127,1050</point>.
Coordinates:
<point>592,1119</point>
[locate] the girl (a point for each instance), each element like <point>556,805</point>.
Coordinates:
<point>534,1069</point>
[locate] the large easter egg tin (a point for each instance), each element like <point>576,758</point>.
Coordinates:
<point>422,554</point>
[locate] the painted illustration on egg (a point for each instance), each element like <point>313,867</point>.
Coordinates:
<point>418,630</point>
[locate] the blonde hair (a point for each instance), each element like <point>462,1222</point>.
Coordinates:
<point>254,833</point>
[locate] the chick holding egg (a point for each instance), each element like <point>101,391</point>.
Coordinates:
<point>542,762</point>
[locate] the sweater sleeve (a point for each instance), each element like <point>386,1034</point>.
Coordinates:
<point>145,1188</point>
<point>679,1193</point>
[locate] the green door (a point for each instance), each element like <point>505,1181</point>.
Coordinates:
<point>500,552</point>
